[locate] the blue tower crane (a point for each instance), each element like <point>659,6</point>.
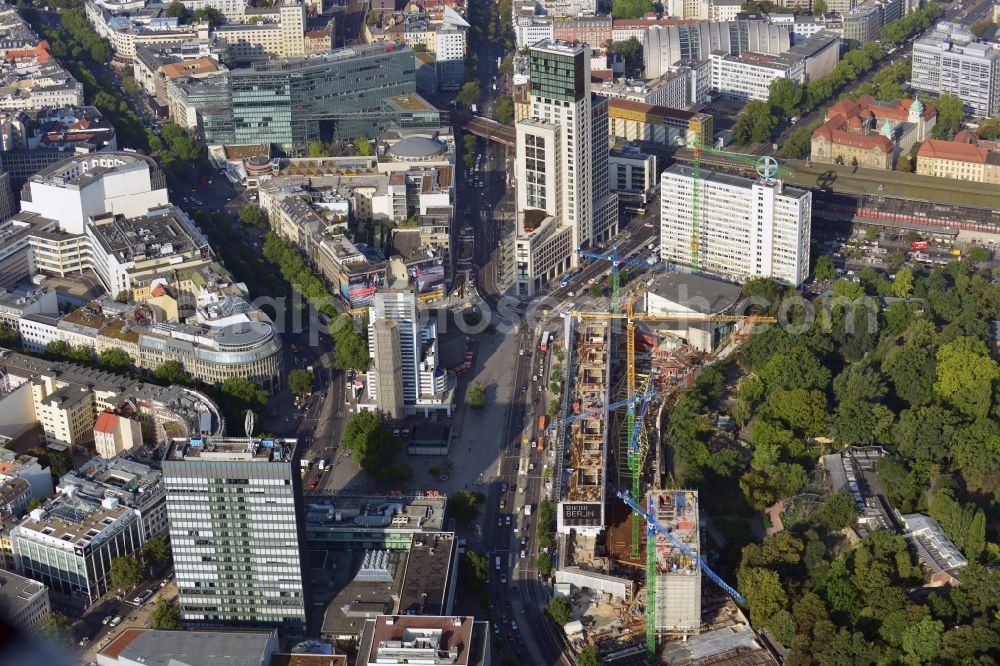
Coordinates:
<point>654,526</point>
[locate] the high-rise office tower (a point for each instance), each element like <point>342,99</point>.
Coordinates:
<point>425,386</point>
<point>744,228</point>
<point>562,165</point>
<point>950,60</point>
<point>236,531</point>
<point>388,368</point>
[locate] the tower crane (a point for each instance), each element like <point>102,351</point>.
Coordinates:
<point>616,261</point>
<point>606,408</point>
<point>652,527</point>
<point>766,166</point>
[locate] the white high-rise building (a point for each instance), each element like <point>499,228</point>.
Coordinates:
<point>563,198</point>
<point>950,60</point>
<point>746,228</point>
<point>425,385</point>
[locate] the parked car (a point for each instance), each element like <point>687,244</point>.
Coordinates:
<point>107,618</point>
<point>84,640</point>
<point>116,621</point>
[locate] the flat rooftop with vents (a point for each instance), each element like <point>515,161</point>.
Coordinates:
<point>433,640</point>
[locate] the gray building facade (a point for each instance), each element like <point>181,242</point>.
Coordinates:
<point>951,61</point>
<point>236,529</point>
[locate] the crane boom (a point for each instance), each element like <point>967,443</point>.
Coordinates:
<point>607,408</point>
<point>655,526</point>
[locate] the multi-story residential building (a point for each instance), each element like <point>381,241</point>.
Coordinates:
<point>135,484</point>
<point>449,50</point>
<point>632,175</point>
<point>84,186</point>
<point>560,160</point>
<point>530,28</point>
<point>236,531</point>
<point>422,384</point>
<point>951,61</point>
<point>424,639</point>
<point>233,10</point>
<point>69,400</point>
<point>32,141</point>
<point>32,79</point>
<point>278,31</point>
<point>592,30</point>
<point>966,157</point>
<point>635,121</point>
<point>569,7</point>
<point>749,75</point>
<point>18,302</point>
<point>124,33</point>
<point>667,45</point>
<point>748,228</point>
<point>23,602</point>
<point>17,34</point>
<point>69,543</point>
<point>283,101</point>
<point>871,134</point>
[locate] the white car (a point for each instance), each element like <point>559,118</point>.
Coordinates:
<point>116,621</point>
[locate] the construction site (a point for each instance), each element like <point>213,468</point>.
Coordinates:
<point>630,547</point>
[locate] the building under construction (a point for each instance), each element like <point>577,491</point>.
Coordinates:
<point>678,576</point>
<point>582,478</point>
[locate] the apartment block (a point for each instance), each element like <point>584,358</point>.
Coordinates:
<point>950,60</point>
<point>747,228</point>
<point>23,601</point>
<point>966,157</point>
<point>632,174</point>
<point>236,531</point>
<point>636,121</point>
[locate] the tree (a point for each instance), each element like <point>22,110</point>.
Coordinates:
<point>373,446</point>
<point>115,360</point>
<point>60,463</point>
<point>859,382</point>
<point>858,422</point>
<point>208,15</point>
<point>237,395</point>
<point>905,164</point>
<point>371,18</point>
<point>464,505</point>
<point>126,573</point>
<point>155,551</point>
<point>553,408</point>
<point>55,626</point>
<point>763,592</point>
<point>786,95</point>
<point>300,382</point>
<point>989,129</point>
<point>171,372</point>
<point>560,610</point>
<point>631,9</point>
<point>980,27</point>
<point>350,346</point>
<point>782,625</point>
<point>475,397</point>
<point>505,109</point>
<point>820,7</point>
<point>754,124</point>
<point>824,268</point>
<point>837,510</point>
<point>802,410</point>
<point>543,563</point>
<point>363,147</point>
<point>951,113</point>
<point>176,10</point>
<point>587,656</point>
<point>318,149</point>
<point>164,615</point>
<point>902,284</point>
<point>251,216</point>
<point>798,143</point>
<point>796,368</point>
<point>923,639</point>
<point>469,94</point>
<point>965,374</point>
<point>926,433</point>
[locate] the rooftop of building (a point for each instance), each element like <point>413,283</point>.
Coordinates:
<point>341,511</point>
<point>80,377</point>
<point>935,550</point>
<point>677,510</point>
<point>617,106</point>
<point>80,170</point>
<point>12,461</point>
<point>193,67</point>
<point>737,181</point>
<point>405,582</point>
<point>158,647</point>
<point>75,520</point>
<point>121,477</point>
<point>231,449</point>
<point>559,46</point>
<point>16,591</point>
<point>297,659</point>
<point>964,147</point>
<point>589,435</point>
<point>160,235</point>
<point>695,292</point>
<point>418,639</point>
<point>320,61</point>
<point>413,102</point>
<point>11,488</point>
<point>417,148</point>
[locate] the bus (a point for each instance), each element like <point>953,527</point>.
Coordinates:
<point>544,347</point>
<point>635,210</point>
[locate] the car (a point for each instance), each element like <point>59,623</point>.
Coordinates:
<point>571,294</point>
<point>107,618</point>
<point>116,621</point>
<point>531,466</point>
<point>313,484</point>
<point>496,629</point>
<point>163,583</point>
<point>503,579</point>
<point>507,520</point>
<point>443,477</point>
<point>534,378</point>
<point>520,352</point>
<point>513,625</point>
<point>84,640</point>
<point>523,553</point>
<point>524,541</point>
<point>504,487</point>
<point>499,521</point>
<point>503,504</point>
<point>510,637</point>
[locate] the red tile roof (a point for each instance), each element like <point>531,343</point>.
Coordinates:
<point>952,150</point>
<point>106,423</point>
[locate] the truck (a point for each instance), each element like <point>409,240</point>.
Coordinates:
<point>541,443</point>
<point>322,464</point>
<point>541,423</point>
<point>474,109</point>
<point>919,245</point>
<point>527,509</point>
